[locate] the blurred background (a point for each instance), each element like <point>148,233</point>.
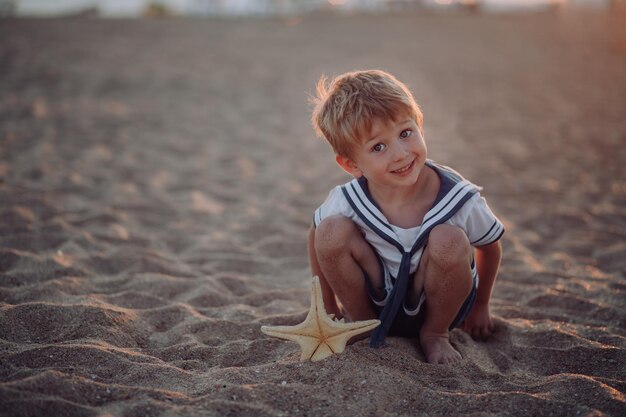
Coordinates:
<point>158,177</point>
<point>137,8</point>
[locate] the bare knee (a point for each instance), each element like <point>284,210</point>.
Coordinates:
<point>448,247</point>
<point>334,234</point>
<point>449,258</point>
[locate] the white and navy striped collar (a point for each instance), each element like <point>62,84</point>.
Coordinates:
<point>454,191</point>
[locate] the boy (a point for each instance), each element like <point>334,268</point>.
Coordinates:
<point>406,239</point>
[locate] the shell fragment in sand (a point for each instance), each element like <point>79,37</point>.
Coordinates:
<point>318,335</point>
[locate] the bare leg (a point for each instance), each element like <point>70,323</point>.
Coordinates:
<point>342,254</point>
<point>447,282</point>
<point>330,301</point>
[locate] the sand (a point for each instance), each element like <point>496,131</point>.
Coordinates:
<point>157,179</point>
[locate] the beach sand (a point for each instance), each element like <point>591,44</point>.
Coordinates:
<point>158,177</point>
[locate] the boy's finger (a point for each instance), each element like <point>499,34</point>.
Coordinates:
<point>485,332</point>
<point>476,333</point>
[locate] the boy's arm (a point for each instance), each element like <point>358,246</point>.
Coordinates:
<point>478,323</point>
<point>330,301</point>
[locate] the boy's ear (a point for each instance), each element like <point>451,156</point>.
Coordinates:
<point>349,166</point>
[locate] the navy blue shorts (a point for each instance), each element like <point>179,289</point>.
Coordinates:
<point>409,326</point>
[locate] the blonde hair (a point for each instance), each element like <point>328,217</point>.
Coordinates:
<point>346,107</point>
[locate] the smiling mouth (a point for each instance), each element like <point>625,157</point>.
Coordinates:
<point>404,169</point>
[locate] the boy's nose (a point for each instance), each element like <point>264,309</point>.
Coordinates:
<point>400,152</point>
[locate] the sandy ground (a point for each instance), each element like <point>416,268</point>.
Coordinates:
<point>157,179</point>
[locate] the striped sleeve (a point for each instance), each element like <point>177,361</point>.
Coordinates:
<point>481,225</point>
<point>335,204</point>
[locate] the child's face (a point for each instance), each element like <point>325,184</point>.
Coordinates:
<point>393,155</point>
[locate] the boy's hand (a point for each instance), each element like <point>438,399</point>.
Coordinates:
<point>478,323</point>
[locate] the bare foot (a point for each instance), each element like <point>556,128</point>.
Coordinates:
<point>437,348</point>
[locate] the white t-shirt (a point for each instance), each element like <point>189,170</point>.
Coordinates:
<point>459,198</point>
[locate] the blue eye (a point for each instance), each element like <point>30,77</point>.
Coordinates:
<point>379,147</point>
<point>406,133</point>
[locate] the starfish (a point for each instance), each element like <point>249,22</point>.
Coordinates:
<point>319,336</point>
